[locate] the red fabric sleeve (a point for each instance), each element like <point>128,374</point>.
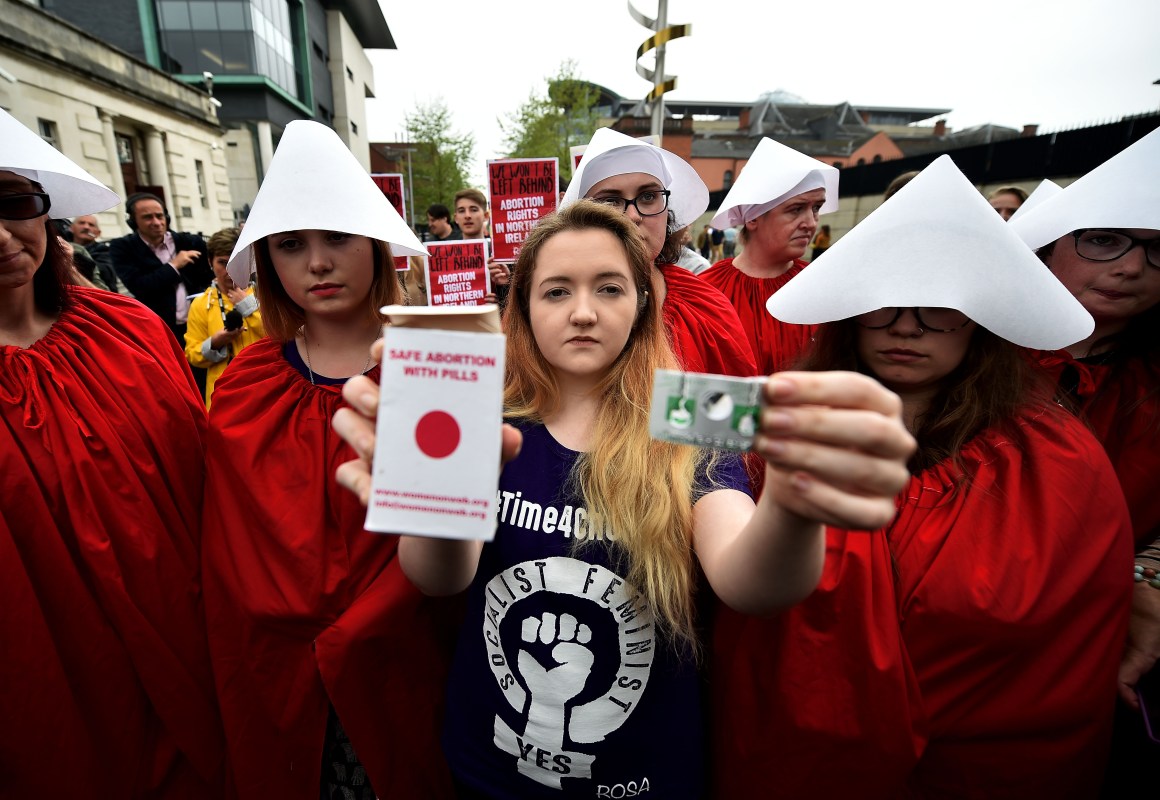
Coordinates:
<point>993,640</point>
<point>1015,628</point>
<point>1122,406</point>
<point>106,686</point>
<point>305,607</point>
<point>703,327</point>
<point>776,344</point>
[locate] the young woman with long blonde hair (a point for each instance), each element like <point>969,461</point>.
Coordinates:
<point>576,671</point>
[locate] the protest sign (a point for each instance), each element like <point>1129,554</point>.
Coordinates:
<point>577,153</point>
<point>439,423</point>
<point>457,273</point>
<point>522,191</point>
<point>391,185</point>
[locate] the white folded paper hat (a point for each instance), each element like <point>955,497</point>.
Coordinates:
<point>1044,191</point>
<point>938,243</point>
<point>613,153</point>
<point>316,183</point>
<point>1123,192</point>
<point>772,175</point>
<point>72,191</point>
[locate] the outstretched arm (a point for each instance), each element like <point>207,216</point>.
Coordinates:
<point>835,449</point>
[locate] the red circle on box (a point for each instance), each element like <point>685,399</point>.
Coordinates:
<point>437,434</point>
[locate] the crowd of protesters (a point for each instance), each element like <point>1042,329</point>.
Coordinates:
<point>916,584</point>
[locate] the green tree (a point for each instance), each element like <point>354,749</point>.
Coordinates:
<point>442,156</point>
<point>549,124</point>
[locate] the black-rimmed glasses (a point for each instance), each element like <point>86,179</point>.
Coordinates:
<point>929,318</point>
<point>1098,244</point>
<point>647,204</point>
<point>28,205</point>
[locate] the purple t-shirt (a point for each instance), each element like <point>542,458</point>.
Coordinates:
<point>560,686</point>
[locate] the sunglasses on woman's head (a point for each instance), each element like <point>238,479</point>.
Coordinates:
<point>28,205</point>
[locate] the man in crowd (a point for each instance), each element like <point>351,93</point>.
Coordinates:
<point>471,213</point>
<point>439,227</point>
<point>85,232</point>
<point>162,268</point>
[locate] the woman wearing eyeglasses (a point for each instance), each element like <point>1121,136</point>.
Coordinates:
<point>105,683</point>
<point>1101,237</point>
<point>969,648</point>
<point>661,194</point>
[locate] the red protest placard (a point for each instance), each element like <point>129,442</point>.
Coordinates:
<point>391,185</point>
<point>522,191</point>
<point>457,273</point>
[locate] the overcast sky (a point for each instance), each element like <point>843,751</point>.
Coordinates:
<point>1056,63</point>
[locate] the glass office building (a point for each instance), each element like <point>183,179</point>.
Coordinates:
<point>233,37</point>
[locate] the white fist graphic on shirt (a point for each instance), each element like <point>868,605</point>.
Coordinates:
<point>551,689</point>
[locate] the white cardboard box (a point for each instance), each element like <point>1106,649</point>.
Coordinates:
<point>437,448</point>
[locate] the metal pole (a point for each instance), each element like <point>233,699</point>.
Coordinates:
<point>410,186</point>
<point>658,109</point>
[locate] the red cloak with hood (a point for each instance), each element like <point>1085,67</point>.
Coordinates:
<point>775,344</point>
<point>105,683</point>
<point>703,328</point>
<point>306,609</point>
<point>1122,406</point>
<point>969,649</point>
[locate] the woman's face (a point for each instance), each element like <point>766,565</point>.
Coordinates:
<point>1006,204</point>
<point>909,360</point>
<point>23,242</point>
<point>1111,291</point>
<point>326,273</point>
<point>654,229</point>
<point>784,233</point>
<point>582,303</point>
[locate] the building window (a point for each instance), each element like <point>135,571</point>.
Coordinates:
<point>233,37</point>
<point>47,131</point>
<point>876,160</point>
<point>200,169</point>
<point>727,179</point>
<point>124,149</point>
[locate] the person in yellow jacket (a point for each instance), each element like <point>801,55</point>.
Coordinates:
<point>214,335</point>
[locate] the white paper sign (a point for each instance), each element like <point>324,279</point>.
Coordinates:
<point>436,466</point>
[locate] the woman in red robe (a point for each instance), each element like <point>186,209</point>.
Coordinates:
<point>662,194</point>
<point>776,202</point>
<point>1101,237</point>
<point>330,666</point>
<point>968,649</point>
<point>105,684</point>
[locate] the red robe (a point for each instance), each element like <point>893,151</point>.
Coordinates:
<point>703,328</point>
<point>775,344</point>
<point>105,685</point>
<point>304,607</point>
<point>1123,409</point>
<point>970,649</point>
